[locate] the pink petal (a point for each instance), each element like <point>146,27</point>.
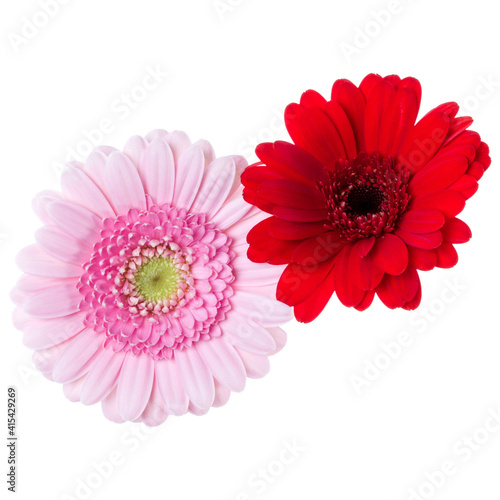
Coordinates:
<point>263,310</point>
<point>155,412</point>
<point>230,213</point>
<point>72,390</point>
<point>124,184</point>
<point>158,171</point>
<point>102,376</point>
<point>134,385</point>
<point>34,260</point>
<point>78,188</point>
<point>77,358</point>
<point>252,274</point>
<point>45,359</point>
<point>44,333</point>
<point>217,182</point>
<point>246,334</point>
<point>94,167</point>
<point>256,365</point>
<point>195,410</point>
<point>134,148</point>
<point>20,319</point>
<point>170,387</point>
<point>157,133</point>
<point>188,176</point>
<point>62,246</point>
<point>279,336</point>
<point>76,221</point>
<point>238,232</point>
<point>54,302</point>
<point>40,203</point>
<point>110,407</point>
<point>31,283</point>
<point>18,296</point>
<point>195,377</point>
<point>208,150</point>
<point>224,363</point>
<point>240,164</point>
<point>178,142</point>
<point>222,394</point>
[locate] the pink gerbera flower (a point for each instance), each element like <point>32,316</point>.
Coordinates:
<point>138,292</point>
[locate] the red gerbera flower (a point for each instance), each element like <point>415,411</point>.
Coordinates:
<point>365,197</point>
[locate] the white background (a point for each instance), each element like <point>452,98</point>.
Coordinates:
<point>231,72</point>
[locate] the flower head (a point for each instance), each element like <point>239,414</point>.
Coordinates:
<point>365,197</point>
<point>138,292</point>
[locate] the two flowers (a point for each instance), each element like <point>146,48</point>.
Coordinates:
<point>159,284</point>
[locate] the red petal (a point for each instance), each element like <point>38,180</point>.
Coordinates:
<point>466,185</point>
<point>414,85</point>
<point>377,102</point>
<point>421,221</point>
<point>367,301</point>
<point>253,198</point>
<point>466,143</point>
<point>397,120</point>
<point>292,113</point>
<point>363,247</point>
<point>348,293</point>
<point>276,252</point>
<point>442,171</point>
<point>312,98</point>
<point>448,108</point>
<point>288,161</point>
<point>306,167</point>
<point>344,128</point>
<point>447,256</point>
<point>264,248</point>
<point>457,126</point>
<point>300,215</point>
<point>257,236</point>
<point>318,248</point>
<point>476,170</point>
<point>298,282</point>
<point>425,260</point>
<point>254,175</point>
<point>291,194</point>
<point>352,101</point>
<point>448,202</point>
<point>424,140</point>
<point>321,138</point>
<point>287,230</point>
<point>310,309</point>
<point>393,79</point>
<point>483,155</point>
<point>425,241</point>
<point>368,83</point>
<point>415,302</point>
<point>397,291</point>
<point>390,254</point>
<point>456,231</point>
<point>365,272</point>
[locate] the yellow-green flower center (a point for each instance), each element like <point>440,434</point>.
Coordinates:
<point>157,279</point>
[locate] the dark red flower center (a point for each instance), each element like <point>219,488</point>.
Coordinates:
<point>364,200</point>
<point>365,196</point>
